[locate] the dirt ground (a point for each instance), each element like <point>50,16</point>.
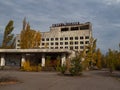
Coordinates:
<point>90,80</point>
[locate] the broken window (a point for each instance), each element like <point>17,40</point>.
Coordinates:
<point>84,27</point>
<point>74,28</point>
<point>64,29</point>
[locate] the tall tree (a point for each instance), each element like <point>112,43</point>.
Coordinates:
<point>111,60</point>
<point>8,41</point>
<point>98,58</point>
<point>91,54</point>
<point>29,38</point>
<point>89,57</point>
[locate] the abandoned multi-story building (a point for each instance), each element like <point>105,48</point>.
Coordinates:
<point>72,36</point>
<point>62,40</point>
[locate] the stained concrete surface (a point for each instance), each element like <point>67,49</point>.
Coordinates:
<point>91,80</point>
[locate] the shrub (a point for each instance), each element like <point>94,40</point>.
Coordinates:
<point>28,67</point>
<point>39,68</point>
<point>76,66</point>
<point>63,69</point>
<point>58,65</point>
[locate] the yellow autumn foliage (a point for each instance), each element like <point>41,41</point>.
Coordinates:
<point>28,67</point>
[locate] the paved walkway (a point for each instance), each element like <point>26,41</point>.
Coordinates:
<point>92,80</point>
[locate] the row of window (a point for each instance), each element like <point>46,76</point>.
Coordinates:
<point>66,43</point>
<point>66,38</point>
<point>84,27</point>
<point>66,47</point>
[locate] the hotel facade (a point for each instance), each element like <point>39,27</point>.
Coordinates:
<point>71,36</point>
<point>63,39</point>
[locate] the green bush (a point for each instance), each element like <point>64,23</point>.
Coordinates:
<point>63,69</point>
<point>76,66</point>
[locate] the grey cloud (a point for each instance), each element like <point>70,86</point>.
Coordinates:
<point>42,13</point>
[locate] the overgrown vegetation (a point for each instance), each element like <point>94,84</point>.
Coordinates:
<point>90,58</point>
<point>52,64</point>
<point>28,67</point>
<point>76,66</point>
<point>112,60</point>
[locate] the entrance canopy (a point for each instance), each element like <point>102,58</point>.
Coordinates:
<point>35,51</point>
<point>18,56</point>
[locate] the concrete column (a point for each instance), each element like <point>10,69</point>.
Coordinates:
<point>43,60</point>
<point>63,59</point>
<point>2,60</point>
<point>22,60</point>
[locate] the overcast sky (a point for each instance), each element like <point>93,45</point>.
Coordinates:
<point>41,14</point>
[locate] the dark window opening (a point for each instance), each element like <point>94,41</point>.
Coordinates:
<point>61,38</point>
<point>76,42</point>
<point>81,42</point>
<point>86,42</point>
<point>64,29</point>
<point>71,48</point>
<point>71,38</point>
<point>66,43</point>
<point>84,27</point>
<point>52,43</point>
<point>61,43</point>
<point>66,47</point>
<point>71,43</point>
<point>86,37</point>
<point>76,47</point>
<point>56,43</point>
<point>56,47</point>
<point>52,39</point>
<point>18,44</point>
<point>47,39</point>
<point>74,28</point>
<point>81,37</point>
<point>61,47</point>
<point>56,38</point>
<point>81,47</point>
<point>87,51</point>
<point>43,39</point>
<point>76,38</point>
<point>66,38</point>
<point>18,40</point>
